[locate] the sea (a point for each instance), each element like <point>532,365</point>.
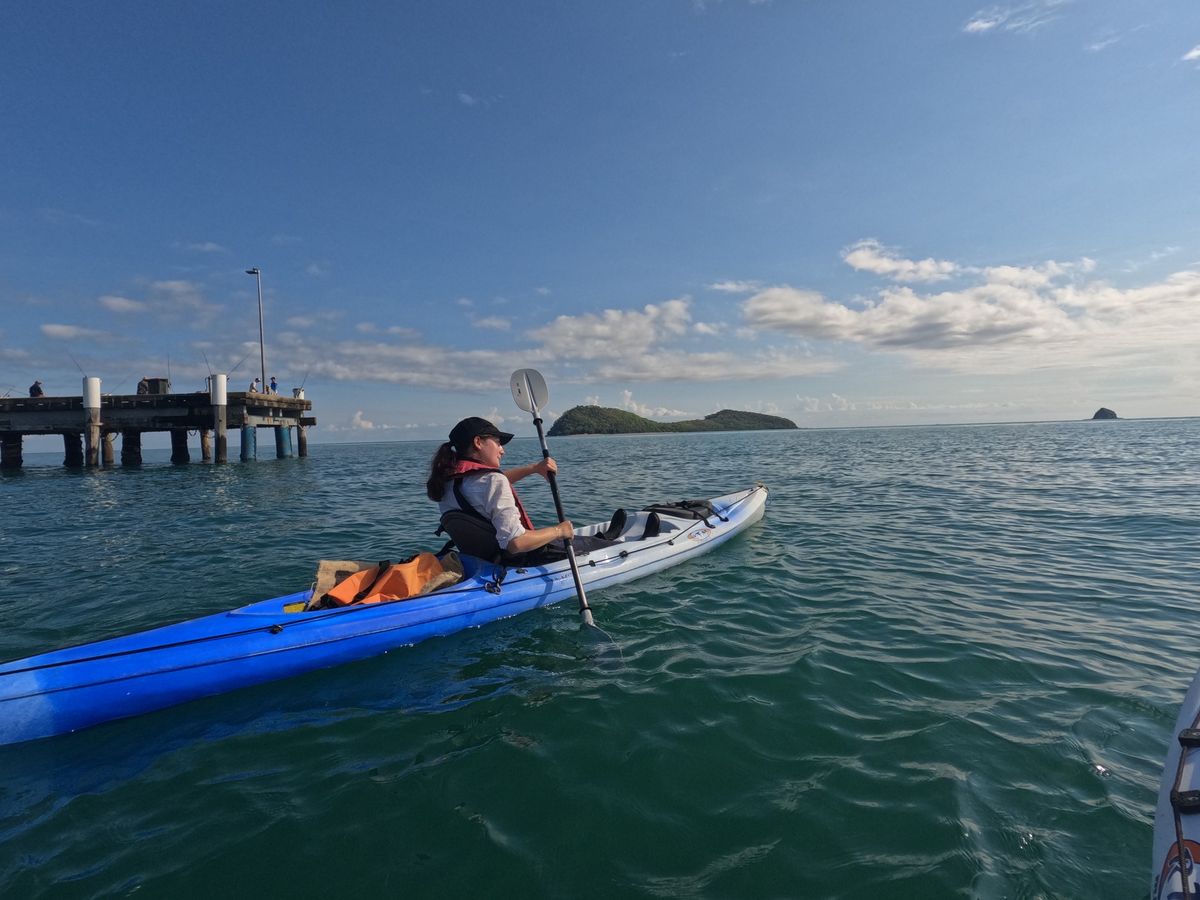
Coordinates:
<point>946,663</point>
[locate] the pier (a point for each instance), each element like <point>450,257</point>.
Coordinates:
<point>90,423</point>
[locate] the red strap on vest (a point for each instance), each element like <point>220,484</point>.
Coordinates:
<point>469,467</point>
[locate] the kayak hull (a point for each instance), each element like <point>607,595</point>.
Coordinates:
<point>77,687</point>
<point>1177,825</point>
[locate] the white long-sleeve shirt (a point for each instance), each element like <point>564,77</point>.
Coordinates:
<point>490,494</point>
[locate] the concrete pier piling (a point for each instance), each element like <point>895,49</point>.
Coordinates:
<point>91,410</point>
<point>131,448</point>
<point>179,447</point>
<point>219,387</point>
<point>10,450</point>
<point>283,442</point>
<point>73,450</point>
<point>249,443</point>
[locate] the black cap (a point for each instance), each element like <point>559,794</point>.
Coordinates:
<point>462,434</point>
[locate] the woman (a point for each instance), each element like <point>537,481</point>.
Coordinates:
<point>465,476</point>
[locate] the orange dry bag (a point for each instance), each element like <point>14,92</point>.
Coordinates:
<point>386,581</point>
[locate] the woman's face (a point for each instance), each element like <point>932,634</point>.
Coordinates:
<point>488,451</point>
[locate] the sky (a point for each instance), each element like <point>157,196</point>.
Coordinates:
<point>848,214</point>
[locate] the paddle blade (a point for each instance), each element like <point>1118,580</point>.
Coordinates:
<point>529,390</point>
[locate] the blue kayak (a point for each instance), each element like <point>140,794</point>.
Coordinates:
<point>66,690</point>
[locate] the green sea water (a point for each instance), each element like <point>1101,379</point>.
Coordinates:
<point>945,664</point>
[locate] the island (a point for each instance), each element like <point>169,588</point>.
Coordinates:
<point>1104,413</point>
<point>605,420</point>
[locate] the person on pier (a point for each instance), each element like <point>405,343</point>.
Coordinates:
<point>466,482</point>
<point>35,390</point>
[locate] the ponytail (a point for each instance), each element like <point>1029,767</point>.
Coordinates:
<point>441,467</point>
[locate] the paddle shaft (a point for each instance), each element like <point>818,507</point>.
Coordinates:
<point>584,610</point>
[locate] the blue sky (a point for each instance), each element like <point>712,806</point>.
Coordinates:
<point>844,213</point>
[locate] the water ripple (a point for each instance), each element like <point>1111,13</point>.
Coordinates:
<point>946,664</point>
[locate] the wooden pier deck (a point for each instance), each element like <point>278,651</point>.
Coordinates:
<point>88,433</point>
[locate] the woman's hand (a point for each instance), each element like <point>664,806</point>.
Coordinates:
<point>540,537</point>
<point>545,468</point>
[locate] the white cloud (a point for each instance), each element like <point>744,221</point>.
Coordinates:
<point>1021,18</point>
<point>706,328</point>
<point>620,332</point>
<point>637,345</point>
<point>1152,257</point>
<point>316,269</point>
<point>409,363</point>
<point>802,312</point>
<point>871,256</point>
<point>837,403</point>
<point>121,304</point>
<point>71,332</point>
<point>200,246</point>
<point>1192,55</point>
<point>985,20</point>
<point>402,331</point>
<point>366,328</point>
<point>735,287</point>
<point>495,323</point>
<point>176,298</point>
<point>467,99</point>
<point>65,217</point>
<point>498,418</point>
<point>647,412</point>
<point>360,423</point>
<point>1102,44</point>
<point>1016,318</point>
<point>543,291</point>
<point>311,319</point>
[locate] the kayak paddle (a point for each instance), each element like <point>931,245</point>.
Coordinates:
<point>530,392</point>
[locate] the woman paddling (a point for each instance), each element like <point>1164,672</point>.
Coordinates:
<point>468,485</point>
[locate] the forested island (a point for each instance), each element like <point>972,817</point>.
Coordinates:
<point>605,420</point>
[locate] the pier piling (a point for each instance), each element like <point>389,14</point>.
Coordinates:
<point>179,447</point>
<point>91,409</point>
<point>10,450</point>
<point>131,448</point>
<point>283,442</point>
<point>249,443</point>
<point>219,395</point>
<point>73,450</point>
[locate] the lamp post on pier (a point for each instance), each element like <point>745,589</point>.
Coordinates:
<point>262,353</point>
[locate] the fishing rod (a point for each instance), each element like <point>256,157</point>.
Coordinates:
<point>239,365</point>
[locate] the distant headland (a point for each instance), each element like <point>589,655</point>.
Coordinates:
<point>1104,413</point>
<point>605,420</point>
